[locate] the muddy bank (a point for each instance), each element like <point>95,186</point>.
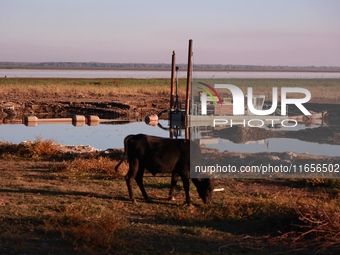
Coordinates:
<point>131,109</point>
<point>284,165</point>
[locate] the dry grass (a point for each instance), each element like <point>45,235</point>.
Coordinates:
<point>81,205</point>
<point>316,227</point>
<point>89,228</point>
<point>320,222</point>
<point>31,149</point>
<point>53,87</point>
<point>84,87</point>
<point>95,165</point>
<point>319,88</point>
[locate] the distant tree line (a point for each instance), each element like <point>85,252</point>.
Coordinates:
<point>162,66</point>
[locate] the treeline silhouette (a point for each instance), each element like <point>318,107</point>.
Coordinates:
<point>163,66</point>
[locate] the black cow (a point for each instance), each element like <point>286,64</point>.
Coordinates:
<point>163,155</point>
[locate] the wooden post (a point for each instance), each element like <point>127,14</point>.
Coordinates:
<point>187,99</point>
<point>172,93</point>
<point>187,132</point>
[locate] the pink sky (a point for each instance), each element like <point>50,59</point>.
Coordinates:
<point>304,32</point>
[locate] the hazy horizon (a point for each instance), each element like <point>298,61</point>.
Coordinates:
<point>263,32</point>
<point>140,63</point>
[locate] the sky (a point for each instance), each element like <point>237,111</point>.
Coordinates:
<point>245,32</point>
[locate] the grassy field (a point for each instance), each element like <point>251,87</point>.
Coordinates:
<point>322,90</point>
<point>87,87</point>
<point>319,88</point>
<point>52,203</point>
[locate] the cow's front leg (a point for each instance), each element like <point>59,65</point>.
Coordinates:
<point>174,179</point>
<point>139,180</point>
<point>185,181</point>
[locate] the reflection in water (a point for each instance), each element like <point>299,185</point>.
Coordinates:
<point>104,136</point>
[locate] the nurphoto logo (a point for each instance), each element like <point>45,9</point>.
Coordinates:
<point>240,106</point>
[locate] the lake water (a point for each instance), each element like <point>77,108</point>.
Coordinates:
<point>37,73</point>
<point>105,136</point>
<point>102,136</point>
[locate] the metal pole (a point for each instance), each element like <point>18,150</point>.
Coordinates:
<point>187,99</point>
<point>172,95</point>
<point>177,103</point>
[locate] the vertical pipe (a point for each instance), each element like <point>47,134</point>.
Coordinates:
<point>187,99</point>
<point>187,132</point>
<point>172,95</point>
<point>177,106</point>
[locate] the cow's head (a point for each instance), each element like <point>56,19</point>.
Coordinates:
<point>204,188</point>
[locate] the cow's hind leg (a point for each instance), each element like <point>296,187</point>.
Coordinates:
<point>174,179</point>
<point>133,171</point>
<point>128,180</point>
<point>139,180</point>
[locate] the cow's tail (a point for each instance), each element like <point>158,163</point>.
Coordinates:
<point>125,152</point>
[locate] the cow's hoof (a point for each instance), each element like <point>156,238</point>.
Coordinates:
<point>134,201</point>
<point>187,206</point>
<point>171,198</point>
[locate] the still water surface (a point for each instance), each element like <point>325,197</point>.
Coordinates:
<point>104,136</point>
